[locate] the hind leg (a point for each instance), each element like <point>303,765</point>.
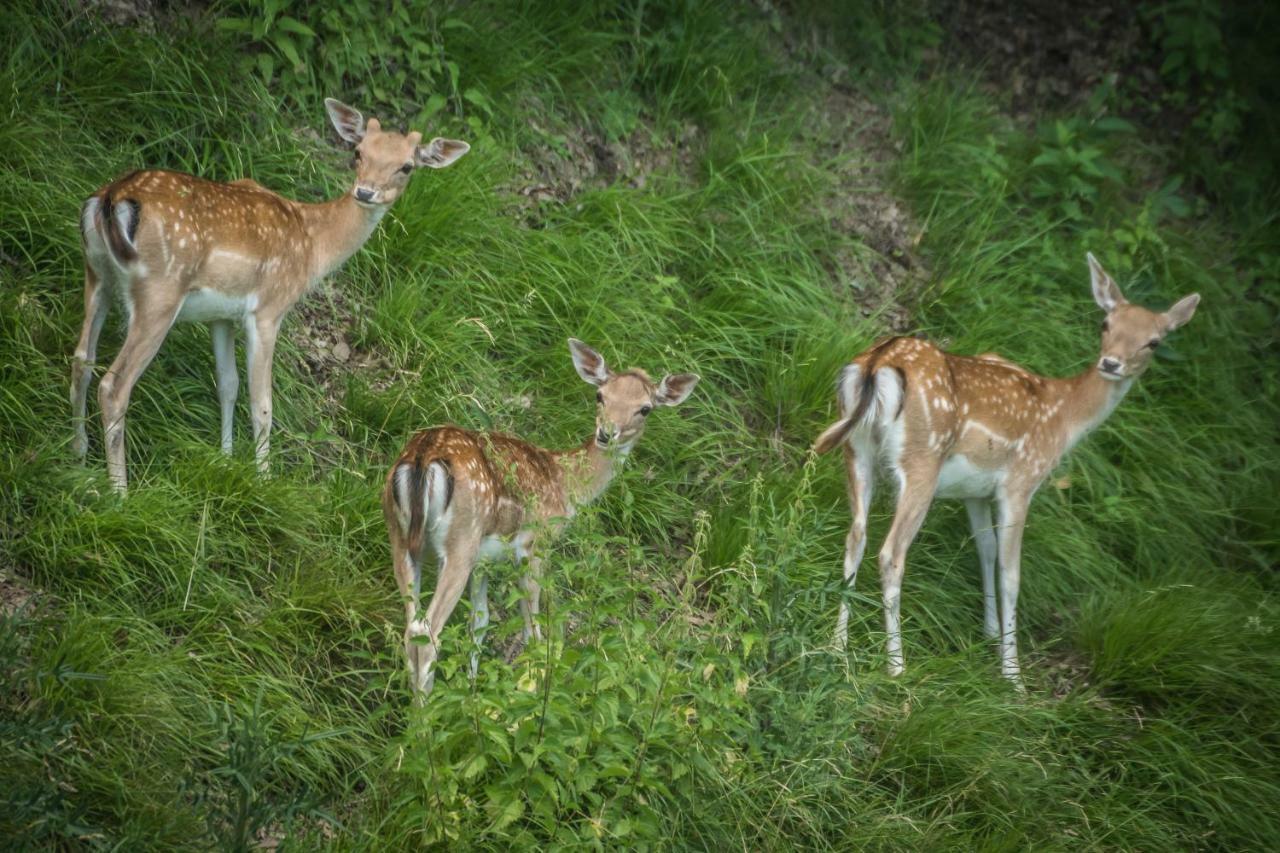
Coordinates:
<point>148,327</point>
<point>918,485</point>
<point>456,564</point>
<point>858,470</point>
<point>96,305</point>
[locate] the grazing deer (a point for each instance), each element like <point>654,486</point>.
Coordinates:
<point>483,496</point>
<point>979,429</point>
<point>172,247</point>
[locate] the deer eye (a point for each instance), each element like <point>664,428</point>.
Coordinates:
<point>1153,343</point>
<point>406,168</point>
<point>599,397</point>
<point>645,410</point>
<point>1106,325</point>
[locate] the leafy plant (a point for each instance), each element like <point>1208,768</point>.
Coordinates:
<point>1071,168</point>
<point>385,54</point>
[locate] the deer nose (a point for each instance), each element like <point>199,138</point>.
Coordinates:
<point>1109,365</point>
<point>363,194</point>
<point>602,437</point>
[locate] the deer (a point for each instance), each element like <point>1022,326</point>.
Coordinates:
<point>477,497</point>
<point>980,429</point>
<point>170,247</point>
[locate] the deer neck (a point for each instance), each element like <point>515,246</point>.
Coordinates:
<point>338,229</point>
<point>589,469</point>
<point>1086,401</point>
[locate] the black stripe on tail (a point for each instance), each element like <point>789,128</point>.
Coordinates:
<point>121,244</point>
<point>835,434</point>
<point>418,500</point>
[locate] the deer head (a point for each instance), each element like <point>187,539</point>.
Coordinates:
<point>1131,333</point>
<point>624,400</point>
<point>384,160</point>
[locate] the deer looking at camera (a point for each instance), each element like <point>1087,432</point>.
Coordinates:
<point>476,496</point>
<point>980,429</point>
<point>172,247</point>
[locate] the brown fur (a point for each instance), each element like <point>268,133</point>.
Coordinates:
<point>227,253</point>
<point>503,491</point>
<point>981,429</point>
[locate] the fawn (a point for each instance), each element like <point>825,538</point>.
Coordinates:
<point>980,429</point>
<point>477,496</point>
<point>172,247</point>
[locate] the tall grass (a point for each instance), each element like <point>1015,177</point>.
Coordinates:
<point>215,660</point>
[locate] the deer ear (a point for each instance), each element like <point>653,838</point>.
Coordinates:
<point>675,389</point>
<point>590,364</point>
<point>346,120</point>
<point>1105,292</point>
<point>1182,311</point>
<point>439,153</point>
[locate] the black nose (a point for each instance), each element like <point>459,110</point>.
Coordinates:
<point>1110,365</point>
<point>363,194</point>
<point>602,437</point>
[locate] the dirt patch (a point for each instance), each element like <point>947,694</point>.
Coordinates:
<point>1042,56</point>
<point>322,328</point>
<point>14,594</point>
<point>855,145</point>
<point>562,160</point>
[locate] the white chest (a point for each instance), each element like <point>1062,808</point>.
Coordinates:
<point>203,305</point>
<point>960,478</point>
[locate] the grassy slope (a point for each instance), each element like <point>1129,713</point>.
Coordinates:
<point>220,653</point>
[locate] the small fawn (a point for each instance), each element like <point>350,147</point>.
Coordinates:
<point>485,496</point>
<point>978,429</point>
<point>172,247</point>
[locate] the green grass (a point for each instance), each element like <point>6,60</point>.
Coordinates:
<point>217,658</point>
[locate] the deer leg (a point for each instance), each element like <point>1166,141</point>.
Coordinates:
<point>260,349</point>
<point>479,616</point>
<point>532,592</point>
<point>859,474</point>
<point>96,306</point>
<point>224,359</point>
<point>148,327</point>
<point>984,536</point>
<point>918,487</point>
<point>456,563</point>
<point>1013,518</point>
<point>408,577</point>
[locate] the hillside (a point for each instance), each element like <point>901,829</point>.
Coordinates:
<point>754,192</point>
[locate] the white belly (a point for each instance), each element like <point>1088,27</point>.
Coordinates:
<point>203,305</point>
<point>960,478</point>
<point>493,548</point>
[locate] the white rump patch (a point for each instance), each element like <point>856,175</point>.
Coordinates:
<point>888,396</point>
<point>847,388</point>
<point>123,214</point>
<point>401,483</point>
<point>89,217</point>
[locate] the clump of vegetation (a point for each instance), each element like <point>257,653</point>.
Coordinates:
<point>218,656</point>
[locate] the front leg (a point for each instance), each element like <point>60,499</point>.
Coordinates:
<point>532,571</point>
<point>984,536</point>
<point>224,360</point>
<point>261,344</point>
<point>479,616</point>
<point>1013,518</point>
